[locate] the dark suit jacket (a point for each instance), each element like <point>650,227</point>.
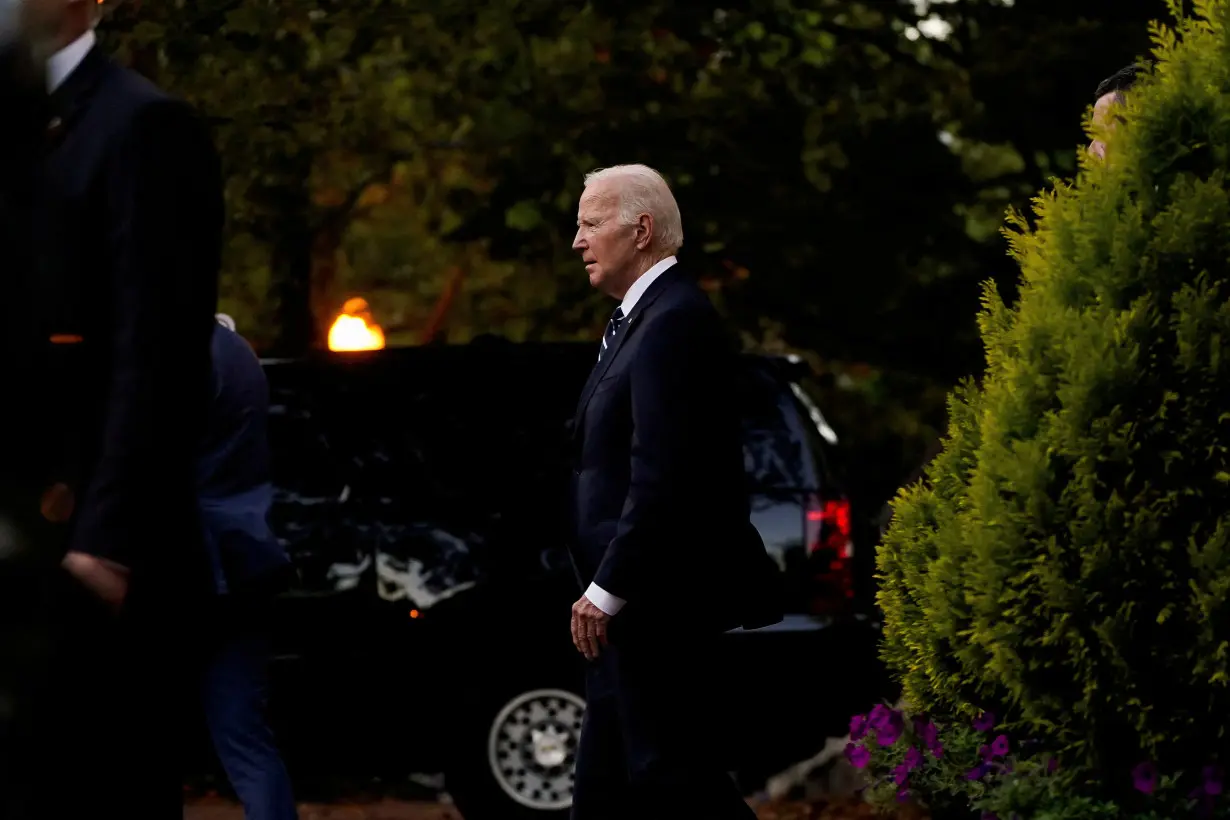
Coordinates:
<point>233,476</point>
<point>24,110</point>
<point>129,232</point>
<point>661,500</point>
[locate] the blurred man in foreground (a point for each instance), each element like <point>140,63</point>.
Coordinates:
<point>249,568</point>
<point>118,310</point>
<point>28,553</point>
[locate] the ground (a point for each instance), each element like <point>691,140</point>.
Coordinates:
<point>218,809</point>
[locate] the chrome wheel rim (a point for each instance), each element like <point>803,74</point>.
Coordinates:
<point>532,747</point>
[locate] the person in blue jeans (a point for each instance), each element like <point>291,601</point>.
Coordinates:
<point>249,567</point>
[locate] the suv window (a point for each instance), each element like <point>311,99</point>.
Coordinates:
<point>309,489</point>
<point>775,452</point>
<point>465,441</point>
<point>304,467</point>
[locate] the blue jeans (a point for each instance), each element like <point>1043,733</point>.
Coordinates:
<point>234,692</point>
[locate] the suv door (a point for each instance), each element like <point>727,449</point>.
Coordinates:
<point>319,707</point>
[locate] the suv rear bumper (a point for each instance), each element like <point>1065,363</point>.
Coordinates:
<point>799,682</point>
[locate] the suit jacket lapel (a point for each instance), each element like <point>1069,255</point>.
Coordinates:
<point>69,101</point>
<point>600,368</point>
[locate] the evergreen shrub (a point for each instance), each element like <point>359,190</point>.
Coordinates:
<point>1066,561</point>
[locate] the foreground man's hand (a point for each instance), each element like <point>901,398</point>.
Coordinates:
<point>106,579</point>
<point>588,628</point>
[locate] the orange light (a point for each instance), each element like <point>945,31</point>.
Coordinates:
<point>354,329</point>
<point>414,613</point>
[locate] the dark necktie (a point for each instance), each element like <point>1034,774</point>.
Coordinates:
<point>612,328</point>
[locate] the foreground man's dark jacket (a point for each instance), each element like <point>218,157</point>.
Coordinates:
<point>130,231</point>
<point>24,110</point>
<point>118,313</point>
<point>29,556</point>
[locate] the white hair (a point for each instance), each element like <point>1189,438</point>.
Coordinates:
<point>642,190</point>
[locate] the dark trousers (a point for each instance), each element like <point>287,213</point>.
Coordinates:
<point>234,693</point>
<point>651,740</point>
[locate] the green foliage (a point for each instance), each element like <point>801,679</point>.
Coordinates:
<point>327,114</point>
<point>1067,561</point>
<point>764,115</point>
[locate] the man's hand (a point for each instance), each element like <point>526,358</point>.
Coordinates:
<point>106,579</point>
<point>588,628</point>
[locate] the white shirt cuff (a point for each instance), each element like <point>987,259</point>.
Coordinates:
<point>604,600</point>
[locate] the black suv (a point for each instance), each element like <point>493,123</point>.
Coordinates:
<point>422,495</point>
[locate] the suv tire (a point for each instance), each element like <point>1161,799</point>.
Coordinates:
<point>516,751</point>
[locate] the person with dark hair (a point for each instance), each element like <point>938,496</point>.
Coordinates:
<point>1120,82</point>
<point>1110,93</point>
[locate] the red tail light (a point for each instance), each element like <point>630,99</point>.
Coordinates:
<point>829,527</point>
<point>830,550</point>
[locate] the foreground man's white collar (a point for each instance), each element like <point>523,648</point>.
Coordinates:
<point>641,285</point>
<point>66,60</point>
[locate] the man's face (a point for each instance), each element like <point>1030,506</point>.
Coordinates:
<point>607,248</point>
<point>1103,115</point>
<point>50,21</point>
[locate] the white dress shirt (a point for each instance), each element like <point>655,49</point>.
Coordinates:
<point>598,596</point>
<point>66,60</point>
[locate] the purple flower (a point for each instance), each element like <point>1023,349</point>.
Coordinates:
<point>984,722</point>
<point>888,725</point>
<point>913,759</point>
<point>937,751</point>
<point>888,736</point>
<point>1213,777</point>
<point>858,755</point>
<point>858,727</point>
<point>984,752</point>
<point>999,747</point>
<point>977,773</point>
<point>1144,778</point>
<point>1052,765</point>
<point>928,733</point>
<point>880,717</point>
<point>901,775</point>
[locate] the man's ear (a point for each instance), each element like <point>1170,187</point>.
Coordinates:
<point>644,232</point>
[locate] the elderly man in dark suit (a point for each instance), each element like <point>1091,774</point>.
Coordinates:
<point>249,568</point>
<point>663,546</point>
<point>127,223</point>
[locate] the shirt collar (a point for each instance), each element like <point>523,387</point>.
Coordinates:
<point>642,284</point>
<point>65,61</point>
